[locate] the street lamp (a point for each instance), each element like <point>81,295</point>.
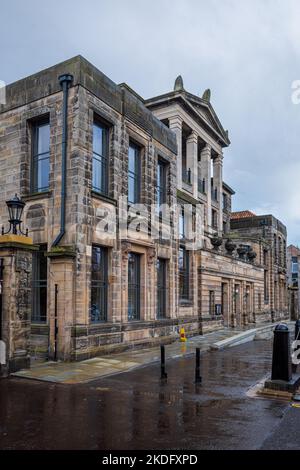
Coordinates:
<point>15,208</point>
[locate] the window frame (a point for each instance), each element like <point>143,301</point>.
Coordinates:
<point>35,156</point>
<point>161,189</point>
<point>136,175</point>
<point>100,285</point>
<point>136,286</point>
<point>102,160</point>
<point>162,289</point>
<point>39,284</point>
<point>184,275</point>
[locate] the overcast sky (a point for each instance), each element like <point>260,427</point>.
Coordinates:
<point>246,51</point>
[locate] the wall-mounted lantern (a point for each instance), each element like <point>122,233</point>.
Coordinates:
<point>15,208</point>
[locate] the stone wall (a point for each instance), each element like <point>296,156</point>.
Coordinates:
<point>16,305</point>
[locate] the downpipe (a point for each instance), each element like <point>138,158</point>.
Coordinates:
<point>65,82</point>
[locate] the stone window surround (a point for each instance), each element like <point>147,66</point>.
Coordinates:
<point>29,119</point>
<point>142,143</point>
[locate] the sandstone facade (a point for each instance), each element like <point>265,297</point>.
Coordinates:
<point>168,281</point>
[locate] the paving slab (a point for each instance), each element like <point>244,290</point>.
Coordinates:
<point>91,369</point>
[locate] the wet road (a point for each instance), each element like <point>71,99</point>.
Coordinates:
<point>136,411</point>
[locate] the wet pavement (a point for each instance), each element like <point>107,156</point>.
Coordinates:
<point>97,367</point>
<point>135,410</point>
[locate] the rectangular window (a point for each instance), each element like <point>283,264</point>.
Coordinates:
<point>39,285</point>
<point>161,287</point>
<point>134,286</point>
<point>184,273</point>
<point>214,219</point>
<point>40,156</point>
<point>211,303</point>
<point>134,173</point>
<point>99,284</point>
<point>181,223</point>
<point>225,202</point>
<point>100,158</point>
<point>161,184</point>
<point>266,287</point>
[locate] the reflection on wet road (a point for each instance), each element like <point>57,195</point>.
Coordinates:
<point>135,410</point>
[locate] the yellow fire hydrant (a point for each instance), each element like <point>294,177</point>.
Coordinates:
<point>182,335</point>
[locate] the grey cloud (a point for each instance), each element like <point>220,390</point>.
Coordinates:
<point>247,52</point>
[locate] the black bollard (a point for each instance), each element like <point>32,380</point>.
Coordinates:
<point>281,361</point>
<point>297,338</point>
<point>198,378</point>
<point>163,374</point>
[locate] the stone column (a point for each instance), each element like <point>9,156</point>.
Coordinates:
<point>192,161</point>
<point>16,252</point>
<point>206,169</point>
<point>218,183</point>
<point>175,124</point>
<point>62,305</point>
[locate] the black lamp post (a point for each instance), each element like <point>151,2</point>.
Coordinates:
<point>15,210</point>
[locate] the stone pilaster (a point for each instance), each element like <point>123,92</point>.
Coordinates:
<point>61,305</point>
<point>192,161</point>
<point>206,173</point>
<point>218,181</point>
<point>175,124</point>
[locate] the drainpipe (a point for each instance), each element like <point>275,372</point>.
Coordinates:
<point>65,82</point>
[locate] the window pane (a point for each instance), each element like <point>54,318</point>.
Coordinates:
<point>131,190</point>
<point>97,174</point>
<point>161,288</point>
<point>133,286</point>
<point>43,174</point>
<point>43,138</point>
<point>40,158</point>
<point>100,158</point>
<point>98,139</point>
<point>181,223</point>
<point>132,159</point>
<point>99,288</point>
<point>39,285</point>
<point>133,173</point>
<point>183,265</point>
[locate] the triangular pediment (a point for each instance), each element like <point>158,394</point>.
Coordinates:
<point>205,110</point>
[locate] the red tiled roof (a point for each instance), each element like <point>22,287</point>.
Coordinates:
<point>242,214</point>
<point>293,250</point>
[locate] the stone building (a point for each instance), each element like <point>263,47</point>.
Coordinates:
<point>229,286</point>
<point>128,215</point>
<point>293,271</point>
<point>266,236</point>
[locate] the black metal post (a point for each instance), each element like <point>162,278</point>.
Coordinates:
<point>55,322</point>
<point>1,295</point>
<point>281,361</point>
<point>198,378</point>
<point>163,374</point>
<point>297,338</point>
